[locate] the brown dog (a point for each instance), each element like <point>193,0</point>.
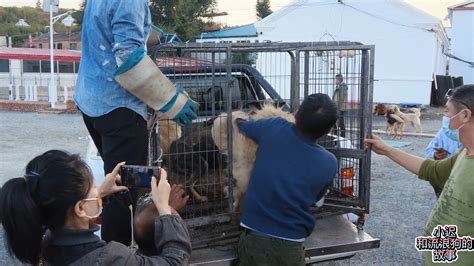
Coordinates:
<point>380,109</point>
<point>395,124</point>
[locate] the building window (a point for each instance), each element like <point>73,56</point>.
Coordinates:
<point>31,66</point>
<point>73,46</point>
<point>45,67</point>
<point>225,41</point>
<point>60,46</point>
<point>40,45</point>
<point>4,65</point>
<point>66,67</point>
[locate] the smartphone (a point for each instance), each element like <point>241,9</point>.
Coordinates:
<point>134,176</point>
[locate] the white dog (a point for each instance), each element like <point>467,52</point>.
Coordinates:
<point>244,149</point>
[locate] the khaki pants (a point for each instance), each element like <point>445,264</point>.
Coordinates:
<point>256,250</point>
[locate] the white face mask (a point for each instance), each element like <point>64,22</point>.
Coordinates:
<point>99,202</point>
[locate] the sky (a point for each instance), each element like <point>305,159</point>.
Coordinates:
<point>243,11</point>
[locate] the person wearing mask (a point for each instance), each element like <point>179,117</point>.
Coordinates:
<point>441,147</point>
<point>48,216</point>
<point>455,205</point>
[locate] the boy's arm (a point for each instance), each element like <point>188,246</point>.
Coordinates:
<point>253,129</point>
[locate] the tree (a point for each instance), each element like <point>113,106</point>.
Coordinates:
<point>37,19</point>
<point>263,8</point>
<point>183,17</point>
<point>78,16</point>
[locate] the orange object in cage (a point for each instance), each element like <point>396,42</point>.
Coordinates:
<point>347,175</point>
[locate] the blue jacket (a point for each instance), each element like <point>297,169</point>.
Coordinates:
<point>290,174</point>
<point>442,141</point>
<point>111,31</point>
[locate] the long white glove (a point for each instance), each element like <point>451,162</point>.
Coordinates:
<point>142,78</point>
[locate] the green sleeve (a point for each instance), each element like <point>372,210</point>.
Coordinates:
<point>437,172</point>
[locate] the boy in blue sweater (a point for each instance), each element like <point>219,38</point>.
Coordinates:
<point>290,174</point>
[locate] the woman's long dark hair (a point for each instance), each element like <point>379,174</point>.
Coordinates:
<point>53,183</point>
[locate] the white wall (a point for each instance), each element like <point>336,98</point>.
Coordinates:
<point>462,44</point>
<point>405,57</point>
<point>18,77</point>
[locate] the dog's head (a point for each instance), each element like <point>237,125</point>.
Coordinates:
<point>380,109</point>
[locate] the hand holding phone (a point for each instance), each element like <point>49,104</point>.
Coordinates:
<point>440,153</point>
<point>160,194</point>
<point>138,176</point>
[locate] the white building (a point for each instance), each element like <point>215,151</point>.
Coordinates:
<point>409,43</point>
<point>462,41</point>
<point>24,68</point>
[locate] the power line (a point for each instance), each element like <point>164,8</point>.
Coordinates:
<point>382,18</point>
<point>459,59</point>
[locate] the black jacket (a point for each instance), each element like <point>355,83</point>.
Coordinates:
<point>83,247</point>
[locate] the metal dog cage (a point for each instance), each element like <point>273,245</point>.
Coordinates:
<point>224,78</point>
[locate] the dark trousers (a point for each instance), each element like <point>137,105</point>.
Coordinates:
<point>120,135</point>
<point>263,250</point>
<point>341,127</point>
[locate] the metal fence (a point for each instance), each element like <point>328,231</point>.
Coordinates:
<point>224,78</point>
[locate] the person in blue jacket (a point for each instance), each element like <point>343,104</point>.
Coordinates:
<point>115,84</point>
<point>290,174</point>
<point>441,147</point>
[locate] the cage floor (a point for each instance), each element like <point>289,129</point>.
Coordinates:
<point>220,236</point>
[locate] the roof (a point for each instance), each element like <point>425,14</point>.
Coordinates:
<point>39,54</point>
<point>248,30</point>
<point>181,61</point>
<point>75,56</point>
<point>463,5</point>
<point>61,36</point>
<point>392,11</point>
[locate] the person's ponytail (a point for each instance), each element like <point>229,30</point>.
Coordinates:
<point>21,218</point>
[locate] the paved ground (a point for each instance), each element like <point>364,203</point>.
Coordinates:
<point>400,203</point>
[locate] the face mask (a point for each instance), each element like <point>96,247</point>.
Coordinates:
<point>451,133</point>
<point>94,216</point>
<point>99,201</point>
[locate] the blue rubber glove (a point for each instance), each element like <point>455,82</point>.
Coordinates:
<point>187,113</point>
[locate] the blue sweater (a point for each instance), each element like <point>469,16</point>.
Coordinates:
<point>442,141</point>
<point>290,174</point>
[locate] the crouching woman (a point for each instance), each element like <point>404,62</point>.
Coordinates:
<point>58,194</point>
